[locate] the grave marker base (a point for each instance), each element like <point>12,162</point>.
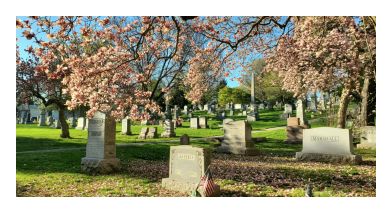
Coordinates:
<point>329,158</point>
<point>366,146</point>
<point>102,166</point>
<point>168,135</point>
<point>238,150</point>
<point>126,133</point>
<point>186,187</point>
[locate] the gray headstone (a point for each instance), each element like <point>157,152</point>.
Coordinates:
<point>270,106</point>
<point>288,108</point>
<point>327,144</point>
<point>238,139</point>
<point>152,133</point>
<point>203,122</point>
<point>101,146</point>
<point>143,133</point>
<point>72,122</point>
<point>184,139</point>
<point>368,138</point>
<point>81,123</point>
<point>187,164</point>
<point>194,123</point>
<point>42,119</point>
<point>126,127</point>
<point>57,124</point>
<point>313,102</point>
<point>279,106</point>
<point>168,129</point>
<point>301,113</point>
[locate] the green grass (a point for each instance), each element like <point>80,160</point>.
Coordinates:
<point>32,137</point>
<point>274,173</point>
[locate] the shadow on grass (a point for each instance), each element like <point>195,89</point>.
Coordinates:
<point>31,144</point>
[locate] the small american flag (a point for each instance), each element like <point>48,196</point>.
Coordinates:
<point>208,183</point>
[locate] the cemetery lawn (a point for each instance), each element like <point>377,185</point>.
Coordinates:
<point>32,137</point>
<point>274,173</point>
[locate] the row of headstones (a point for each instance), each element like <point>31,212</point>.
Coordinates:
<point>188,163</point>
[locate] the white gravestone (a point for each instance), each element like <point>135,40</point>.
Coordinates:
<point>72,122</point>
<point>152,133</point>
<point>187,165</point>
<point>238,139</point>
<point>327,144</point>
<point>101,146</point>
<point>195,123</point>
<point>143,133</point>
<point>288,109</point>
<point>168,129</point>
<point>368,138</point>
<point>81,123</point>
<point>203,122</point>
<point>42,119</point>
<point>86,126</point>
<point>301,113</point>
<point>270,106</point>
<point>126,127</point>
<point>57,124</point>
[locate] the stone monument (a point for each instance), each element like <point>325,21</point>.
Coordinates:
<point>42,118</point>
<point>72,122</point>
<point>187,165</point>
<point>368,138</point>
<point>168,129</point>
<point>238,139</point>
<point>270,106</point>
<point>86,126</point>
<point>279,106</point>
<point>184,139</point>
<point>101,146</point>
<point>143,133</point>
<point>327,144</point>
<point>195,123</point>
<point>81,123</point>
<point>126,127</point>
<point>152,133</point>
<point>203,122</point>
<point>57,124</point>
<point>313,102</point>
<point>301,113</point>
<point>288,109</point>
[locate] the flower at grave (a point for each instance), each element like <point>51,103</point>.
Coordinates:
<point>312,113</point>
<point>312,116</point>
<point>152,122</point>
<point>180,120</point>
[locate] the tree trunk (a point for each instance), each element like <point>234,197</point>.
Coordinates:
<point>63,123</point>
<point>371,103</point>
<point>344,105</point>
<point>364,94</point>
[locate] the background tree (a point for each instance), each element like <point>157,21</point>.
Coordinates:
<point>321,52</point>
<point>225,96</point>
<point>239,96</point>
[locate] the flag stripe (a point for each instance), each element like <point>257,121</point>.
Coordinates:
<point>208,183</point>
